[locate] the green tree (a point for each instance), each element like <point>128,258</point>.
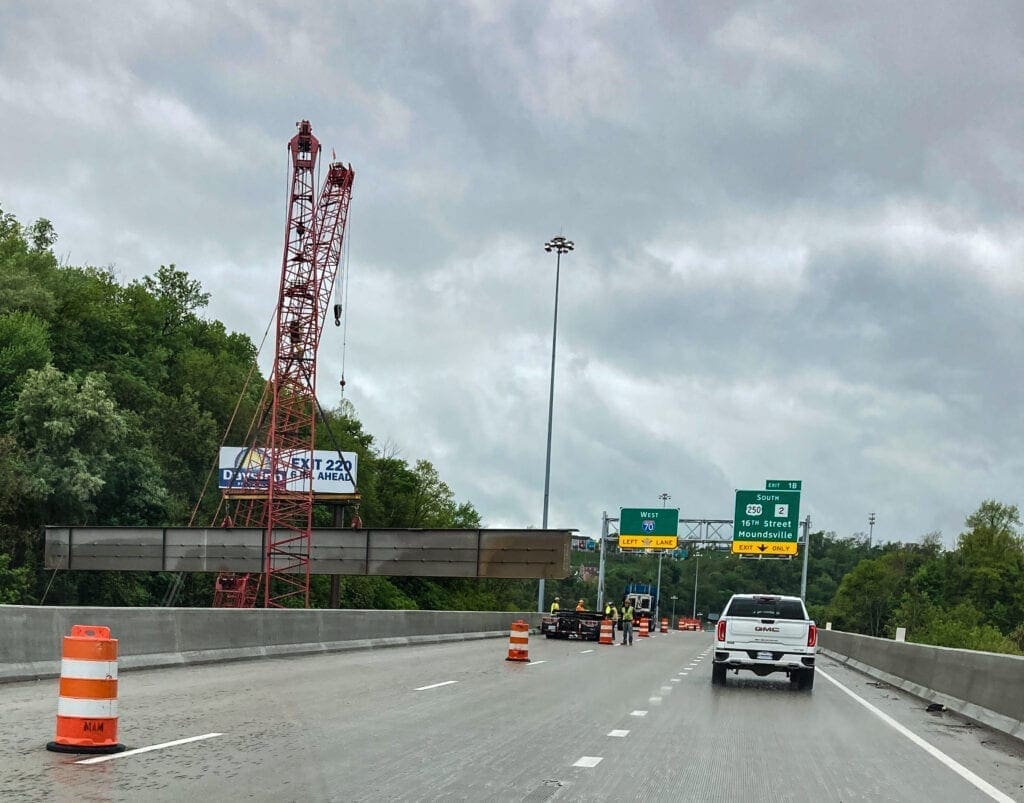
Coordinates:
<point>24,346</point>
<point>866,596</point>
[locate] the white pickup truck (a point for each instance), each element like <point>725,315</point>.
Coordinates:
<point>765,633</point>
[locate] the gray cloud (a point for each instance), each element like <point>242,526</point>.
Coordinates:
<point>797,229</point>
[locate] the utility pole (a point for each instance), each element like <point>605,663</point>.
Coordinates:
<point>871,528</point>
<point>807,551</point>
<point>600,567</point>
<point>664,497</point>
<point>696,575</point>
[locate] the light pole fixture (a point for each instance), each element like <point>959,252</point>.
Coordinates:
<point>664,497</point>
<point>871,528</point>
<point>560,246</point>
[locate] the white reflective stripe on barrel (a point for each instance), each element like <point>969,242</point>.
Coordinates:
<point>521,634</point>
<point>89,670</point>
<point>90,709</point>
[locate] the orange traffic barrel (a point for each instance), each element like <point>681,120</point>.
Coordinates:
<point>664,625</point>
<point>607,632</point>
<point>680,625</point>
<point>519,642</point>
<point>87,701</point>
<point>644,632</point>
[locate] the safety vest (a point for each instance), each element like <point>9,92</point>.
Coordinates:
<point>608,609</point>
<point>627,613</point>
<point>554,607</point>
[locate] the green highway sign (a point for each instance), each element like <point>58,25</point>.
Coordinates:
<point>766,522</point>
<point>784,485</point>
<point>649,528</point>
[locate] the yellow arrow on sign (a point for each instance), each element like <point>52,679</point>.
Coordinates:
<point>764,547</point>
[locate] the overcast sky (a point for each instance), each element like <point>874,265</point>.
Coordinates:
<point>797,226</point>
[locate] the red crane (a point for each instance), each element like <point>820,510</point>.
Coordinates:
<point>282,505</point>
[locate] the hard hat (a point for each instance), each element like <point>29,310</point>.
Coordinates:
<point>557,597</point>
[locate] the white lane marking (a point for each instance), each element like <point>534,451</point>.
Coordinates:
<point>674,680</point>
<point>137,750</point>
<point>620,734</point>
<point>638,713</point>
<point>534,663</point>
<point>654,700</point>
<point>684,674</point>
<point>666,689</point>
<point>588,761</point>
<point>436,685</point>
<point>952,763</point>
<point>584,652</point>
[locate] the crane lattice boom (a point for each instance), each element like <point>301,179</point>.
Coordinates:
<point>314,233</point>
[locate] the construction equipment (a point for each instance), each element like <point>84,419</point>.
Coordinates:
<point>281,501</point>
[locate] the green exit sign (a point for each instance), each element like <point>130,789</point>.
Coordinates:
<point>783,485</point>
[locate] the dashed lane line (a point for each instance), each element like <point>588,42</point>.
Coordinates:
<point>588,761</point>
<point>137,750</point>
<point>619,733</point>
<point>638,713</point>
<point>436,685</point>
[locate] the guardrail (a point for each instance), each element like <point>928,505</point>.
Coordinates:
<point>155,637</point>
<point>983,686</point>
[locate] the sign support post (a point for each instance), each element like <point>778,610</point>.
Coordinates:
<point>807,551</point>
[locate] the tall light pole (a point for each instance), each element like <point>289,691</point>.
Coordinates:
<point>560,246</point>
<point>673,625</point>
<point>664,497</point>
<point>696,575</point>
<point>871,528</point>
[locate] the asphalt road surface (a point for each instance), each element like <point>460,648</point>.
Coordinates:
<point>581,721</point>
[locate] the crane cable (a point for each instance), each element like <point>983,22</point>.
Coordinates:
<point>347,255</point>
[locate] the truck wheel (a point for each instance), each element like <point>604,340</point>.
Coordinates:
<point>805,681</point>
<point>718,674</point>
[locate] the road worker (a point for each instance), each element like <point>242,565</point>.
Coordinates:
<point>580,606</point>
<point>555,606</point>
<point>614,615</point>
<point>627,622</point>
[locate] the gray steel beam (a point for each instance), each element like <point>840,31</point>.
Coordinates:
<point>407,553</point>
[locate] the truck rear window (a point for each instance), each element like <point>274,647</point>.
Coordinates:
<point>766,609</point>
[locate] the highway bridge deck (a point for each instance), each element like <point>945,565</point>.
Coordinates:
<point>456,721</point>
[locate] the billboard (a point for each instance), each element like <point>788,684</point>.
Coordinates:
<point>247,468</point>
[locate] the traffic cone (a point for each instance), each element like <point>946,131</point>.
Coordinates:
<point>680,625</point>
<point>607,633</point>
<point>664,625</point>
<point>87,701</point>
<point>644,632</point>
<point>519,641</point>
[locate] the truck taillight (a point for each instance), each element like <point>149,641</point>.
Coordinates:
<point>812,635</point>
<point>720,630</point>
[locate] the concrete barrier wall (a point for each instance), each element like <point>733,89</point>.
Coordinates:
<point>984,686</point>
<point>30,636</point>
